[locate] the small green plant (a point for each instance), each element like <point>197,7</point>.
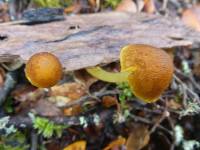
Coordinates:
<point>47,3</point>
<point>14,141</point>
<point>11,138</point>
<point>53,3</point>
<point>112,3</point>
<point>8,105</point>
<point>125,92</point>
<point>47,128</point>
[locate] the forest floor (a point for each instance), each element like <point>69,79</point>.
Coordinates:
<point>82,112</point>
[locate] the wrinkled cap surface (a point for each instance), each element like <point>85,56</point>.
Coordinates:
<point>43,70</point>
<point>153,70</point>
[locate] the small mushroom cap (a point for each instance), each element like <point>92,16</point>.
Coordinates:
<point>43,70</point>
<point>153,70</point>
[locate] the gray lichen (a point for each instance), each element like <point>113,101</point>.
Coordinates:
<point>4,126</point>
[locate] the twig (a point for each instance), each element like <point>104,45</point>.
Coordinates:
<point>9,84</point>
<point>88,97</point>
<point>184,86</point>
<point>34,140</point>
<point>21,121</point>
<point>164,115</point>
<point>190,77</point>
<point>164,5</point>
<point>146,121</point>
<point>172,126</point>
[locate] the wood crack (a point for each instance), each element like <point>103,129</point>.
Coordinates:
<point>79,34</point>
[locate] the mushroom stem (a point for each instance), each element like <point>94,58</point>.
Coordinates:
<point>114,77</point>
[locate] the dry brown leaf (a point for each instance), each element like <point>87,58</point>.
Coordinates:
<point>68,92</point>
<point>46,108</point>
<point>59,101</point>
<point>79,145</point>
<point>75,110</point>
<point>191,17</point>
<point>127,6</point>
<point>138,138</point>
<point>116,143</point>
<point>84,78</point>
<point>71,90</point>
<point>92,3</point>
<point>109,101</point>
<point>149,6</point>
<point>28,96</point>
<point>24,93</point>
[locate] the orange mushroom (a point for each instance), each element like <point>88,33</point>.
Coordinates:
<point>43,70</point>
<point>147,69</point>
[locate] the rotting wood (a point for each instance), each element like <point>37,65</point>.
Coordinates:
<point>87,40</point>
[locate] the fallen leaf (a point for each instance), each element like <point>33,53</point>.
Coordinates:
<point>149,6</point>
<point>65,93</point>
<point>127,6</point>
<point>75,110</point>
<point>92,3</point>
<point>24,93</point>
<point>59,101</point>
<point>27,95</point>
<point>79,145</point>
<point>62,101</point>
<point>191,17</point>
<point>116,143</point>
<point>109,101</point>
<point>71,90</point>
<point>138,138</point>
<point>46,108</point>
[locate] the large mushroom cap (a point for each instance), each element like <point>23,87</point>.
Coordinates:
<point>153,70</point>
<point>43,70</point>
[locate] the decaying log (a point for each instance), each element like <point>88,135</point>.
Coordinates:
<point>70,121</point>
<point>86,40</point>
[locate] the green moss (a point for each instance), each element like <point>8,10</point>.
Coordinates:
<point>112,3</point>
<point>125,92</point>
<point>48,128</point>
<point>53,3</point>
<point>14,141</point>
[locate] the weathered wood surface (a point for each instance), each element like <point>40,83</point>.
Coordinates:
<point>86,40</point>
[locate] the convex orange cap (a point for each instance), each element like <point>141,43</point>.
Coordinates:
<point>152,70</point>
<point>43,70</point>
